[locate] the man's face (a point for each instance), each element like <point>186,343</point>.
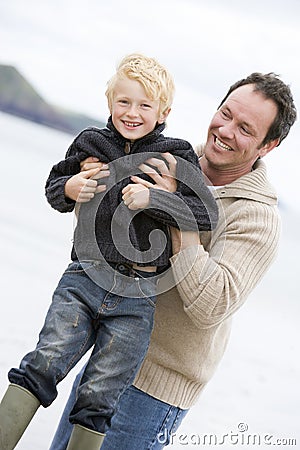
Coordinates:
<point>238,129</point>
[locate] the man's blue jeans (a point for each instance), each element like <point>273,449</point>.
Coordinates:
<point>141,422</point>
<point>83,314</point>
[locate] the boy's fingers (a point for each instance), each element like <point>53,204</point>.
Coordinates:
<point>127,188</point>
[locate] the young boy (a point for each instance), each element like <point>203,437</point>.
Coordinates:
<point>106,297</point>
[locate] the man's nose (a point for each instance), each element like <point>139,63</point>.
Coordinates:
<point>227,130</point>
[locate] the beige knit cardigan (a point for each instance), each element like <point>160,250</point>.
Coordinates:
<point>193,321</point>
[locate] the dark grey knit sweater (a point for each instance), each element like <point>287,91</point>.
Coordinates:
<point>106,228</point>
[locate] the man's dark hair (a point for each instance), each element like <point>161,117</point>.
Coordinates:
<point>275,89</point>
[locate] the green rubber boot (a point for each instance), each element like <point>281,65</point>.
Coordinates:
<point>17,408</point>
<point>84,439</point>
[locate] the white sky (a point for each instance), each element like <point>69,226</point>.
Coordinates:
<point>69,49</point>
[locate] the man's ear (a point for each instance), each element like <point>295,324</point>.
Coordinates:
<point>268,147</point>
<point>163,116</point>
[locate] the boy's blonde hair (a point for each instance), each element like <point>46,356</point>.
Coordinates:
<point>155,79</point>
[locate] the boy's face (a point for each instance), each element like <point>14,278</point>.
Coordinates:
<point>133,114</point>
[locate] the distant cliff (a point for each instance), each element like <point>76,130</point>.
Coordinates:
<point>19,98</point>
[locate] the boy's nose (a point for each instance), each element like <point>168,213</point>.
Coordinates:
<point>132,111</point>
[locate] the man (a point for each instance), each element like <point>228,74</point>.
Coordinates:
<point>214,272</point>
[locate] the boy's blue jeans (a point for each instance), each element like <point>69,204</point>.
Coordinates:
<point>141,422</point>
<point>83,314</point>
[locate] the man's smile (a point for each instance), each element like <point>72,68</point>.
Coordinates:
<point>222,145</point>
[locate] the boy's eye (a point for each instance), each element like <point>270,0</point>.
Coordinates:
<point>146,106</point>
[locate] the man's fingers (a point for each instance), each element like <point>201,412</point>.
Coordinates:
<point>101,174</point>
<point>90,159</point>
<point>89,163</point>
<point>85,197</point>
<point>89,183</point>
<point>90,173</point>
<point>156,177</point>
<point>159,164</point>
<point>162,166</point>
<point>147,169</point>
<point>84,165</point>
<point>86,189</point>
<point>100,188</point>
<point>172,163</point>
<point>163,176</point>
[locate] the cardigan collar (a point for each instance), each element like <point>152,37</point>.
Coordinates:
<point>253,186</point>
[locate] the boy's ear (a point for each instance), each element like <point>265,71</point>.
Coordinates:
<point>163,116</point>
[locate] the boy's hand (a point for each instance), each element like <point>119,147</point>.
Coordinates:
<point>136,196</point>
<point>82,187</point>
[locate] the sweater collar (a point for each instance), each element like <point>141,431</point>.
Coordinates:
<point>253,186</point>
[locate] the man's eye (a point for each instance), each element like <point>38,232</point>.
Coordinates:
<point>245,130</point>
<point>224,113</point>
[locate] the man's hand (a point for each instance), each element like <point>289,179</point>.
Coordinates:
<point>164,177</point>
<point>83,186</point>
<point>92,163</point>
<point>137,195</point>
<point>183,239</point>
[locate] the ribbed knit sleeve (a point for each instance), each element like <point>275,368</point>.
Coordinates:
<point>185,212</point>
<point>55,184</point>
<point>84,145</point>
<point>213,286</point>
<point>191,207</point>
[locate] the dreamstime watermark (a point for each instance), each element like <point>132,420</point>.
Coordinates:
<point>240,437</point>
